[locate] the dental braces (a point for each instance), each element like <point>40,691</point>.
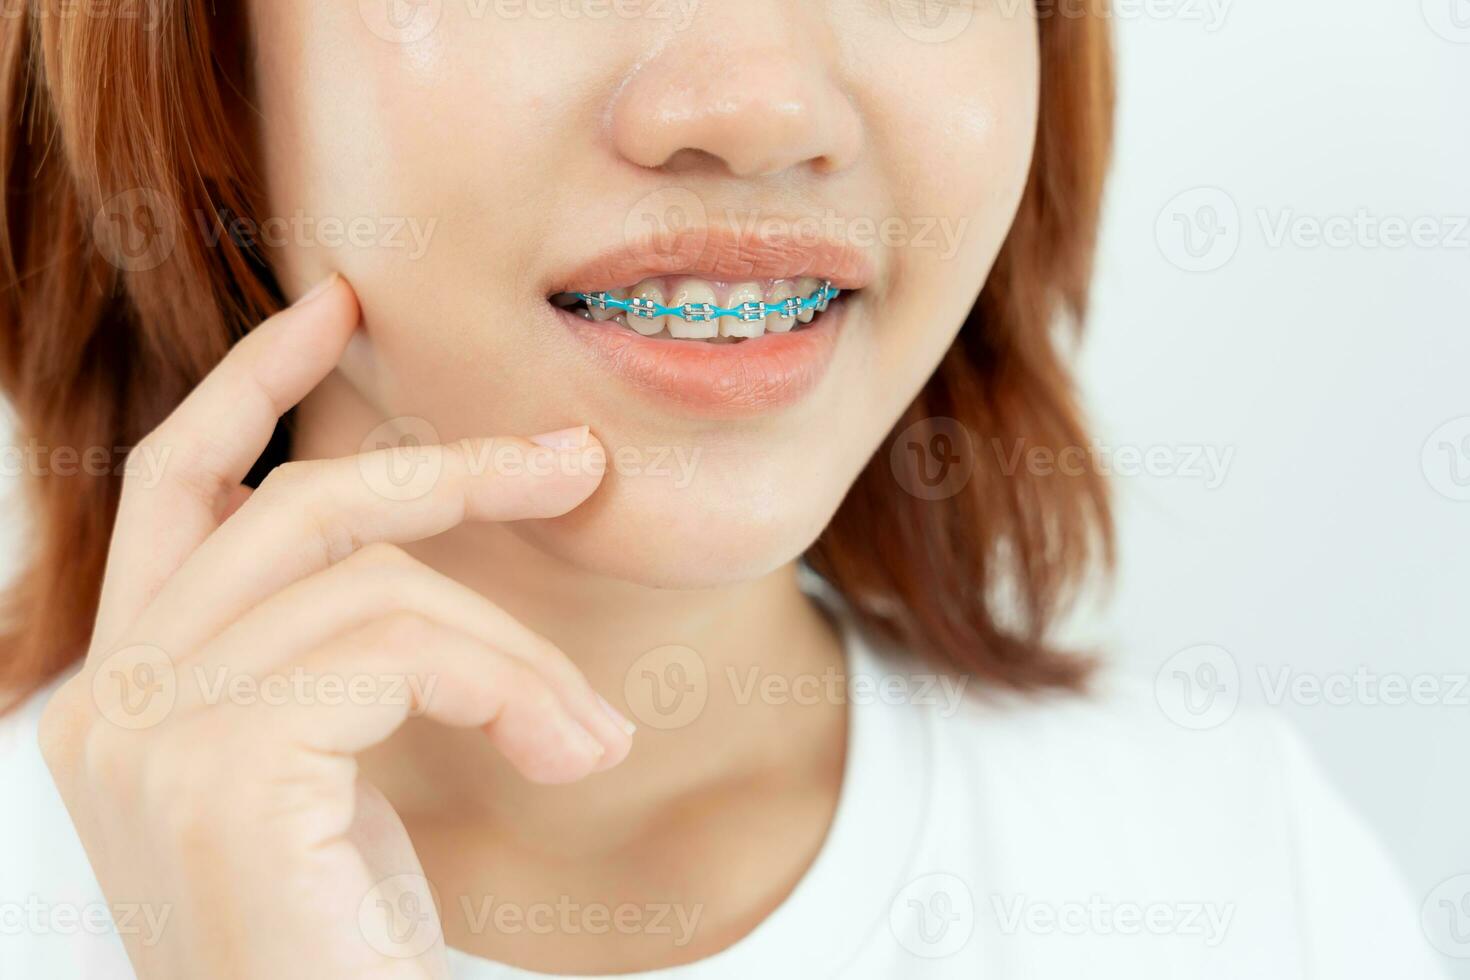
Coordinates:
<point>647,309</point>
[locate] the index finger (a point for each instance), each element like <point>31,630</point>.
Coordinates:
<point>311,514</point>
<point>208,444</point>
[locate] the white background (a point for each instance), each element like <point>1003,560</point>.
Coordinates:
<point>1335,540</point>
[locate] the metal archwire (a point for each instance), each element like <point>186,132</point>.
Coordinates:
<point>647,309</point>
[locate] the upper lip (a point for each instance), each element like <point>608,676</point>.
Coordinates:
<point>719,253</point>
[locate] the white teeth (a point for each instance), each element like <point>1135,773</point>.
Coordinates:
<point>693,291</point>
<point>804,288</point>
<point>734,326</point>
<point>648,326</point>
<point>775,323</point>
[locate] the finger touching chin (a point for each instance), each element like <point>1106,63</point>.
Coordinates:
<point>522,480</point>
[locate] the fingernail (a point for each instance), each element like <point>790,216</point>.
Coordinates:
<point>316,290</point>
<point>617,716</point>
<point>574,438</point>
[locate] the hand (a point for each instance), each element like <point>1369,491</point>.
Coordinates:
<point>245,820</point>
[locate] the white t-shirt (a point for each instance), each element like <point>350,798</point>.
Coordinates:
<point>994,838</point>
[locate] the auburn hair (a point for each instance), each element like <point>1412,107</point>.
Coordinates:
<point>149,115</point>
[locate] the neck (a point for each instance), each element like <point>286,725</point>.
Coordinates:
<point>695,670</point>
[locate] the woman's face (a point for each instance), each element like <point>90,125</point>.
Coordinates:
<point>463,162</point>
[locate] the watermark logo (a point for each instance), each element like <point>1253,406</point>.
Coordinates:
<point>135,687</point>
<point>933,916</point>
<point>1450,19</point>
<point>398,917</point>
<point>401,21</point>
<point>1199,687</point>
<point>932,21</point>
<point>667,687</point>
<point>401,460</point>
<point>137,229</point>
<point>1446,459</point>
<point>933,459</point>
<point>1199,230</point>
<point>669,217</point>
<point>1445,917</point>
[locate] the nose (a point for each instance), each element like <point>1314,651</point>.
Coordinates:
<point>756,107</point>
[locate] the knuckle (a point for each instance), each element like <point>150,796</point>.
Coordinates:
<point>171,775</point>
<point>336,537</point>
<point>295,489</point>
<point>536,696</point>
<point>165,454</point>
<point>286,478</point>
<point>155,440</point>
<point>112,762</point>
<point>62,724</point>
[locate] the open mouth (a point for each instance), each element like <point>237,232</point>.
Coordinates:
<point>708,311</point>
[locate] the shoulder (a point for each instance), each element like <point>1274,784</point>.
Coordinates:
<point>1120,737</point>
<point>1117,812</point>
<point>53,918</point>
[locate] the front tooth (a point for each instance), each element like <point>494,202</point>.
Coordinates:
<point>603,315</point>
<point>805,286</point>
<point>648,289</point>
<point>781,291</point>
<point>733,326</point>
<point>696,292</point>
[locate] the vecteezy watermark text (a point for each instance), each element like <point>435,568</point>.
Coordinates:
<point>33,916</point>
<point>142,464</point>
<point>398,232</point>
<point>1097,916</point>
<point>1208,464</point>
<point>565,917</point>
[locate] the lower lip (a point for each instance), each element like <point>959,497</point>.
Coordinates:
<point>760,375</point>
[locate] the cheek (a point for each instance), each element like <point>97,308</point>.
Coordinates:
<point>959,126</point>
<point>953,131</point>
<point>957,141</point>
<point>409,168</point>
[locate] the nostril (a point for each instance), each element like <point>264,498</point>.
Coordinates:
<point>692,161</point>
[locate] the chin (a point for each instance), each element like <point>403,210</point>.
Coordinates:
<point>706,535</point>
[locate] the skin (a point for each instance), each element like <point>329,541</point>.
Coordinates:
<point>513,597</point>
